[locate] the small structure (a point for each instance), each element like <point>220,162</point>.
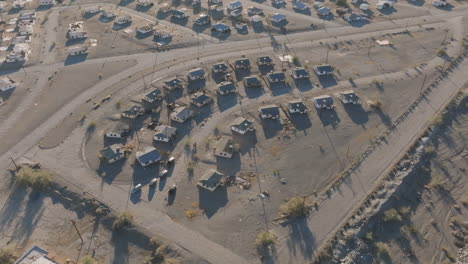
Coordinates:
<point>122,20</point>
<point>211,180</point>
<point>35,255</point>
<point>6,84</point>
<point>243,63</point>
<point>382,4</point>
<point>27,15</point>
<point>352,17</point>
<point>256,19</point>
<point>179,14</point>
<point>234,5</point>
<point>202,20</point>
<point>264,61</point>
<point>298,5</point>
<point>318,4</point>
<point>300,73</point>
<point>76,30</point>
<point>349,97</point>
<point>112,153</point>
<point>147,157</point>
<point>324,101</point>
<point>16,57</point>
<point>145,29</point>
<point>17,4</point>
<point>224,148</point>
<point>174,84</point>
<point>78,50</point>
<point>323,11</point>
<point>196,74</point>
<point>220,67</point>
<point>297,106</point>
<point>144,3</point>
<point>119,131</point>
<point>242,27</point>
<point>364,7</point>
<point>181,114</point>
<point>221,28</point>
<point>200,99</point>
<point>226,88</point>
<point>252,82</point>
<point>108,15</point>
<point>269,111</point>
<point>254,11</point>
<point>440,3</point>
<point>91,10</point>
<point>153,96</point>
<point>242,125</point>
<point>278,18</point>
<point>164,133</point>
<point>278,2</point>
<point>323,70</point>
<point>162,36</point>
<point>235,12</point>
<point>134,112</point>
<point>276,77</point>
<point>46,2</point>
<point>215,2</point>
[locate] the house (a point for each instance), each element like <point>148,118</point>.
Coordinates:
<point>242,125</point>
<point>144,3</point>
<point>179,14</point>
<point>278,18</point>
<point>35,255</point>
<point>256,19</point>
<point>220,28</point>
<point>162,35</point>
<point>147,157</point>
<point>202,20</point>
<point>324,101</point>
<point>241,27</point>
<point>196,74</point>
<point>112,153</point>
<point>211,180</point>
<point>27,15</point>
<point>224,148</point>
<point>25,27</point>
<point>318,4</point>
<point>297,106</point>
<point>264,61</point>
<point>276,77</point>
<point>300,73</point>
<point>226,88</point>
<point>145,29</point>
<point>153,96</point>
<point>181,114</point>
<point>77,50</point>
<point>269,111</point>
<point>200,99</point>
<point>196,3</point>
<point>242,63</point>
<point>76,30</point>
<point>14,57</point>
<point>323,70</point>
<point>235,12</point>
<point>108,15</point>
<point>134,112</point>
<point>164,133</point>
<point>46,2</point>
<point>220,67</point>
<point>174,84</point>
<point>252,82</point>
<point>278,2</point>
<point>119,131</point>
<point>384,4</point>
<point>18,4</point>
<point>349,97</point>
<point>21,39</point>
<point>234,5</point>
<point>323,11</point>
<point>215,2</point>
<point>6,84</point>
<point>352,17</point>
<point>254,11</point>
<point>297,5</point>
<point>91,10</point>
<point>122,20</point>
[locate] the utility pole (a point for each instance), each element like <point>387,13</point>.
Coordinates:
<point>422,86</point>
<point>74,225</point>
<point>144,82</point>
<point>198,47</point>
<point>368,51</point>
<point>303,204</point>
<point>14,163</point>
<point>328,50</point>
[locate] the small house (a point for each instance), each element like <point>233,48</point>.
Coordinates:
<point>323,70</point>
<point>278,18</point>
<point>234,5</point>
<point>297,106</point>
<point>134,112</point>
<point>27,15</point>
<point>243,63</point>
<point>278,2</point>
<point>211,180</point>
<point>220,67</point>
<point>196,74</point>
<point>174,84</point>
<point>235,12</point>
<point>108,15</point>
<point>226,88</point>
<point>16,57</point>
<point>77,50</point>
<point>297,5</point>
<point>324,101</point>
<point>119,131</point>
<point>6,84</point>
<point>91,10</point>
<point>145,29</point>
<point>202,20</point>
<point>221,28</point>
<point>215,2</point>
<point>269,112</point>
<point>349,97</point>
<point>252,82</point>
<point>112,153</point>
<point>153,96</point>
<point>46,2</point>
<point>352,17</point>
<point>254,11</point>
<point>181,114</point>
<point>162,36</point>
<point>264,61</point>
<point>317,4</point>
<point>144,3</point>
<point>123,20</point>
<point>276,77</point>
<point>323,11</point>
<point>76,30</point>
<point>17,4</point>
<point>224,148</point>
<point>241,26</point>
<point>164,133</point>
<point>147,157</point>
<point>200,99</point>
<point>300,73</point>
<point>179,14</point>
<point>242,125</point>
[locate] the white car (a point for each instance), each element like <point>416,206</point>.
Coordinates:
<point>163,173</point>
<point>137,188</point>
<point>153,181</point>
<point>384,4</point>
<point>439,3</point>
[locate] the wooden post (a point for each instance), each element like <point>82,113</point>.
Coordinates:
<point>74,225</point>
<point>14,163</point>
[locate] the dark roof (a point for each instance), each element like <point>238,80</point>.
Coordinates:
<point>197,72</point>
<point>278,17</point>
<point>241,123</point>
<point>325,100</point>
<point>165,131</point>
<point>272,110</point>
<point>202,19</point>
<point>221,27</point>
<point>352,17</point>
<point>122,19</point>
<point>350,96</point>
<point>297,105</point>
<point>252,81</point>
<point>178,13</point>
<point>200,98</point>
<point>153,95</point>
<point>174,82</point>
<point>302,72</point>
<point>264,59</point>
<point>227,87</point>
<point>182,112</point>
<point>234,5</point>
<point>134,110</point>
<point>220,66</point>
<point>323,11</point>
<point>324,68</point>
<point>210,180</point>
<point>150,154</point>
<point>299,5</point>
<point>277,76</point>
<point>251,11</point>
<point>112,151</point>
<point>242,62</point>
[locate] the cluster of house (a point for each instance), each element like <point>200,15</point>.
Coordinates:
<point>76,31</point>
<point>19,46</point>
<point>18,4</point>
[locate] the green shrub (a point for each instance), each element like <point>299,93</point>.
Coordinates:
<point>381,248</point>
<point>369,236</point>
<point>36,178</point>
<point>265,239</point>
<point>392,215</point>
<point>7,256</point>
<point>293,207</point>
<point>122,220</point>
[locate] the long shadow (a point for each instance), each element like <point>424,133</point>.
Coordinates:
<point>70,60</point>
<point>151,192</point>
<point>196,85</point>
<point>109,172</point>
<point>71,42</point>
<point>265,69</point>
<point>254,92</point>
<point>417,2</point>
<point>143,9</point>
<point>229,166</point>
<point>211,202</point>
<point>241,73</point>
<point>304,85</point>
<point>178,21</point>
<point>220,35</point>
<point>246,142</point>
<point>300,121</point>
<point>388,11</point>
<point>121,251</point>
<point>359,23</point>
<point>357,114</point>
<point>118,27</point>
<point>278,89</point>
<point>300,241</point>
<point>227,101</point>
<point>200,28</point>
<point>328,117</point>
<point>125,2</point>
<point>11,206</point>
<point>202,113</point>
<point>271,127</point>
<point>32,215</point>
<point>258,27</point>
<point>386,120</point>
<point>327,80</point>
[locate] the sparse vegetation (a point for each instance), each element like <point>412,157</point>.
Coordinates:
<point>405,210</point>
<point>190,167</point>
<point>436,181</point>
<point>392,215</point>
<point>376,104</point>
<point>429,149</point>
<point>216,131</point>
<point>265,239</point>
<point>36,178</point>
<point>7,256</point>
<point>369,236</point>
<point>437,120</point>
<point>118,105</point>
<point>442,52</point>
<point>122,220</point>
<point>295,60</point>
<point>341,3</point>
<point>155,242</point>
<point>87,260</point>
<point>381,248</point>
<point>91,126</point>
<point>448,255</point>
<point>412,229</point>
<point>294,207</point>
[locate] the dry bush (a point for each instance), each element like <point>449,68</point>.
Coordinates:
<point>405,210</point>
<point>7,256</point>
<point>122,220</point>
<point>265,239</point>
<point>392,215</point>
<point>437,120</point>
<point>375,104</point>
<point>87,260</point>
<point>437,181</point>
<point>369,236</point>
<point>36,178</point>
<point>294,207</point>
<point>191,213</point>
<point>381,248</point>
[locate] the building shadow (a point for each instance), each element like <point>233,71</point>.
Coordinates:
<point>211,202</point>
<point>108,172</point>
<point>328,117</point>
<point>196,85</point>
<point>304,85</point>
<point>254,92</point>
<point>356,113</point>
<point>359,23</point>
<point>300,121</point>
<point>179,21</point>
<point>227,101</point>
<point>327,80</point>
<point>229,166</point>
<point>271,127</point>
<point>143,9</point>
<point>246,142</point>
<point>125,2</point>
<point>301,240</point>
<point>278,89</point>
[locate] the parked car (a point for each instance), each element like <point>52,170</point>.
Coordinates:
<point>153,181</point>
<point>172,190</point>
<point>137,188</point>
<point>163,173</point>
